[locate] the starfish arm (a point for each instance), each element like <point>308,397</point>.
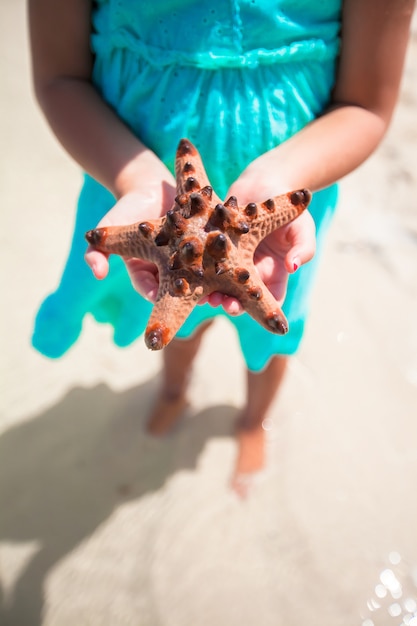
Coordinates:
<point>255,298</point>
<point>262,218</point>
<point>135,240</point>
<point>174,304</point>
<point>266,311</point>
<point>189,170</point>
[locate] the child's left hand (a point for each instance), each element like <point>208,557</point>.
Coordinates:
<point>279,254</point>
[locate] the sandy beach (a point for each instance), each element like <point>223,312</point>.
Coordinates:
<point>101,525</point>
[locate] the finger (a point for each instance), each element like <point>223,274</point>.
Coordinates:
<point>144,277</point>
<point>146,285</point>
<point>215,299</point>
<point>303,248</point>
<point>231,305</point>
<point>278,288</point>
<point>147,288</point>
<point>98,262</point>
<point>297,257</point>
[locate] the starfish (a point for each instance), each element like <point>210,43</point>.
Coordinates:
<point>203,245</point>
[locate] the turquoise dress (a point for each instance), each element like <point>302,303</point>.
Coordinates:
<point>237,78</point>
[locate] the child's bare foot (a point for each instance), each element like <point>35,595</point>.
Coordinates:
<point>251,441</point>
<point>171,403</point>
<point>166,413</point>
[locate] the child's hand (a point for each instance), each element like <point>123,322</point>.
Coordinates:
<point>284,250</point>
<point>155,199</point>
<point>278,255</point>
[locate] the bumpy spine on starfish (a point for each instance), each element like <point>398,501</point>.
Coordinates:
<point>203,245</point>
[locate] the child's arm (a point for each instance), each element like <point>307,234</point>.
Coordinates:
<point>88,128</point>
<point>374,41</point>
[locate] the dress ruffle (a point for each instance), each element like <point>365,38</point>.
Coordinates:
<point>300,51</point>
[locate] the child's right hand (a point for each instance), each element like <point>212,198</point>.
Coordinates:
<point>150,202</point>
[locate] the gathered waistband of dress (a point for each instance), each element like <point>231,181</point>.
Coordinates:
<point>312,49</point>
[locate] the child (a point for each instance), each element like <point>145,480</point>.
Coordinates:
<point>276,95</point>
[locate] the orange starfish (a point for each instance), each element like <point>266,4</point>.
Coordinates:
<point>202,245</point>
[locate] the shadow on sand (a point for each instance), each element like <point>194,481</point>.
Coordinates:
<point>65,471</point>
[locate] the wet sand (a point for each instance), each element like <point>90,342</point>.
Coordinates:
<point>103,526</point>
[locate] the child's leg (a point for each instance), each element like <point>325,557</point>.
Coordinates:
<point>261,391</point>
<point>178,357</point>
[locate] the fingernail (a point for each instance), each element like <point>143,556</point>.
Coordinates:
<point>296,264</point>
